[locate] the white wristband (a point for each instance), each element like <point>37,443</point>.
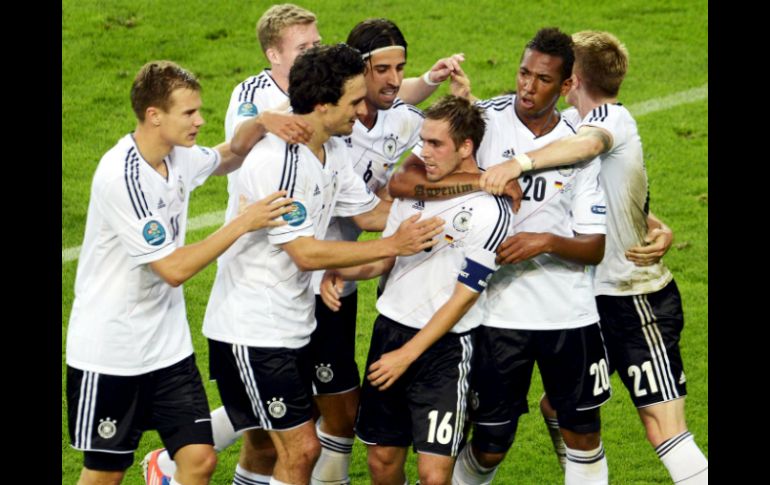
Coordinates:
<point>426,78</point>
<point>524,161</point>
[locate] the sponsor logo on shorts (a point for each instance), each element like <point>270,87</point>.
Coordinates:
<point>682,378</point>
<point>276,407</point>
<point>324,373</point>
<point>297,216</point>
<point>154,233</point>
<point>107,428</point>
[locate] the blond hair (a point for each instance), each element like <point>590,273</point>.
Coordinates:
<point>278,17</point>
<point>602,61</point>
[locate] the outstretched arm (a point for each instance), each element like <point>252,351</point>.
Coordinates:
<point>415,90</point>
<point>582,249</point>
<point>589,142</point>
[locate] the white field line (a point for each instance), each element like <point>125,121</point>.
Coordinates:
<point>639,109</point>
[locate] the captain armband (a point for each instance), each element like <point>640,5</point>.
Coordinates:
<point>474,275</point>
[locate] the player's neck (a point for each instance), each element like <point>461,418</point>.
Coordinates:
<point>281,78</point>
<point>541,125</point>
<point>319,137</point>
<point>151,147</point>
<point>371,115</point>
<point>586,103</point>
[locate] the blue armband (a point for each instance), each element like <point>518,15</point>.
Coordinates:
<point>474,275</point>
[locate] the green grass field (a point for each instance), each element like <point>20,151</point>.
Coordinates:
<point>105,43</point>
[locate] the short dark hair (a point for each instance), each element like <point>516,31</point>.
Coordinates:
<point>154,84</point>
<point>371,34</point>
<point>318,75</point>
<point>552,41</point>
<point>466,120</point>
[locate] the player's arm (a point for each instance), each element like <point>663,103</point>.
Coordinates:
<point>391,365</point>
<point>589,142</point>
<point>412,236</point>
<point>415,90</point>
<point>410,181</point>
<point>656,243</point>
<point>375,219</point>
<point>581,249</point>
<point>186,261</point>
<point>229,160</point>
<point>333,280</point>
<point>289,127</point>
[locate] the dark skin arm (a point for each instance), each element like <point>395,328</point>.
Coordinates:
<point>582,249</point>
<point>410,181</point>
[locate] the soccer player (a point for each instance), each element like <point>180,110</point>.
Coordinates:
<point>260,314</point>
<point>130,362</point>
<point>640,306</point>
<point>421,347</point>
<point>389,128</point>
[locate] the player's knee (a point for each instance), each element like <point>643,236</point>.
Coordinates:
<point>199,462</point>
<point>305,454</point>
<point>580,422</point>
<point>381,461</point>
<point>434,477</point>
<point>493,441</point>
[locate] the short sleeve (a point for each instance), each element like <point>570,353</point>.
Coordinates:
<point>589,208</point>
<point>203,161</point>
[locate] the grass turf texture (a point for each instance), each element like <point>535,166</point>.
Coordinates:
<point>105,43</point>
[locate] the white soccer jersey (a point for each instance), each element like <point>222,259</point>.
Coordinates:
<point>374,154</point>
<point>624,178</point>
<point>249,98</point>
<point>125,319</point>
<point>260,298</point>
<point>545,292</point>
<point>420,284</point>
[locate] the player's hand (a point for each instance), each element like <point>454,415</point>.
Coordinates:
<point>289,127</point>
<point>657,242</point>
<point>521,247</point>
<point>460,84</point>
<point>495,178</point>
<point>513,190</point>
<point>389,367</point>
<point>442,69</point>
<point>331,289</point>
<point>414,236</point>
<point>265,212</point>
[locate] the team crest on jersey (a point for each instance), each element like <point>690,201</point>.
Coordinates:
<point>247,109</point>
<point>509,153</point>
<point>389,145</point>
<point>276,407</point>
<point>324,373</point>
<point>154,233</point>
<point>107,428</point>
<point>566,171</point>
<point>297,215</point>
<point>180,190</point>
<point>462,221</point>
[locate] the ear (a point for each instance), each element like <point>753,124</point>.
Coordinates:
<point>272,55</point>
<point>152,115</point>
<point>466,148</point>
<point>566,85</point>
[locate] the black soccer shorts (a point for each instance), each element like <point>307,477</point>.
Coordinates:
<point>262,387</point>
<point>332,347</point>
<point>426,406</point>
<point>642,334</point>
<point>107,413</point>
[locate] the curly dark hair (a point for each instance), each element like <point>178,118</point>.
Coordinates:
<point>318,75</point>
